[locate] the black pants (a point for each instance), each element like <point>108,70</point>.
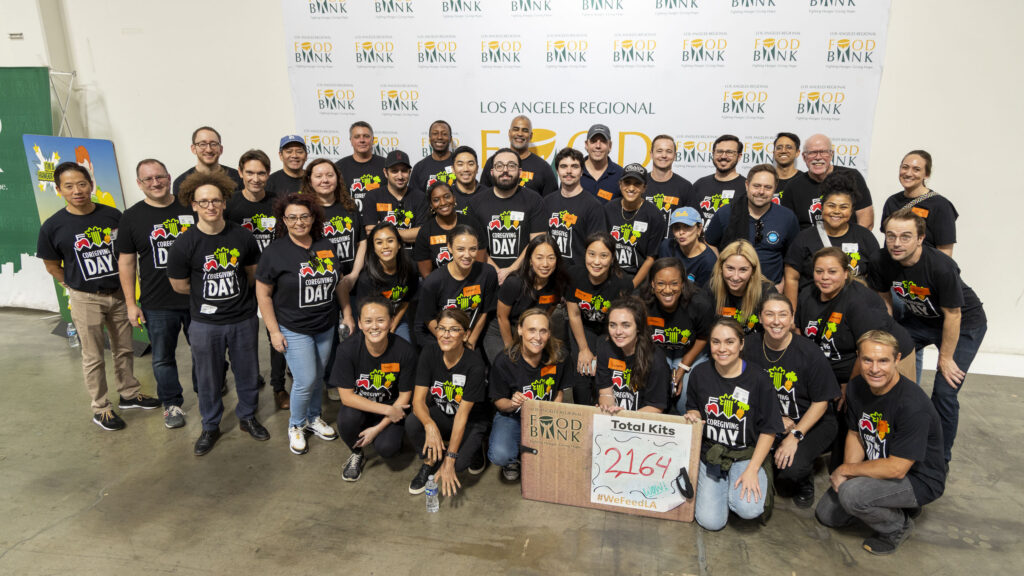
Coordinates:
<point>351,422</point>
<point>277,366</point>
<point>472,437</point>
<point>814,444</point>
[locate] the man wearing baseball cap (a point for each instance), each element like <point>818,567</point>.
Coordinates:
<point>685,226</point>
<point>636,225</point>
<point>292,152</point>
<point>397,203</point>
<point>600,175</point>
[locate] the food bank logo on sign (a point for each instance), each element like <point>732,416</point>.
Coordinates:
<point>394,8</point>
<point>316,52</point>
<point>695,151</point>
<point>746,102</point>
<point>833,6</point>
<point>776,50</point>
<point>327,9</point>
<point>385,143</point>
<point>847,152</point>
<point>375,51</point>
<point>851,50</point>
<point>821,102</point>
<point>566,51</point>
<point>399,101</point>
<point>330,145</point>
<point>757,150</point>
<point>704,50</point>
<point>530,7</point>
<point>634,50</point>
<point>752,6</point>
<point>462,8</point>
<point>333,100</point>
<point>436,52</point>
<point>601,7</point>
<point>501,52</point>
<point>676,6</point>
<point>543,143</point>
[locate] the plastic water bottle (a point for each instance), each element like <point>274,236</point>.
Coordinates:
<point>432,504</point>
<point>343,331</point>
<point>73,340</point>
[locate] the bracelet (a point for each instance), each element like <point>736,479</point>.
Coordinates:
<point>452,455</point>
<point>608,395</point>
<point>684,367</point>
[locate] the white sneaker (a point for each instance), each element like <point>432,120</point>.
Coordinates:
<point>297,440</point>
<point>323,430</point>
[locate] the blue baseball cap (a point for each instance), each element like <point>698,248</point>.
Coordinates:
<point>684,215</point>
<point>292,139</point>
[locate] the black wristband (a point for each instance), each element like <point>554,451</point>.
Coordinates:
<point>452,455</point>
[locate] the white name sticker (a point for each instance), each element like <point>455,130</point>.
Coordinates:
<point>520,216</point>
<point>269,223</point>
<point>207,309</point>
<point>640,226</point>
<point>187,219</point>
<point>851,247</point>
<point>728,194</point>
<point>741,395</point>
<point>459,380</point>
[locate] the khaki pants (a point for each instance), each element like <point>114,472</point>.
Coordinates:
<point>90,313</point>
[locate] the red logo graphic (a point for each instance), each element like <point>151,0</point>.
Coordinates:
<point>363,383</point>
<point>705,204</point>
<point>159,233</point>
<point>444,255</point>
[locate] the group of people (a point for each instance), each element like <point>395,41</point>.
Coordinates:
<point>435,300</point>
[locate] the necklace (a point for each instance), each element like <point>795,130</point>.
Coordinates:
<point>622,212</point>
<point>764,350</point>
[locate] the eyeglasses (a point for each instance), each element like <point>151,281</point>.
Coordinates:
<point>664,285</point>
<point>205,145</point>
<point>815,153</point>
<point>293,218</point>
<point>215,202</point>
<point>150,180</point>
<point>510,166</point>
<point>758,231</point>
<point>726,153</point>
<point>453,331</point>
<point>785,147</point>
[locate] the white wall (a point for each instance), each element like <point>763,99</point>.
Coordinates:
<point>149,73</point>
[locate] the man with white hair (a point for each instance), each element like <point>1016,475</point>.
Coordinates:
<point>803,196</point>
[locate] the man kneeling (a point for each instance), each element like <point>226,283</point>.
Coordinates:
<point>894,462</point>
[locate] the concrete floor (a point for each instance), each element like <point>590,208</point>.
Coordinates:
<point>79,500</point>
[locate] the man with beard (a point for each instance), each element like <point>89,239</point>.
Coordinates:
<point>397,202</point>
<point>437,166</point>
<point>207,147</point>
<point>784,152</point>
<point>600,174</point>
<point>362,170</point>
<point>535,173</point>
<point>288,179</point>
<point>803,196</point>
<point>724,186</point>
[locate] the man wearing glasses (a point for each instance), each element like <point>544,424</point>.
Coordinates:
<point>803,196</point>
<point>207,147</point>
<point>784,151</point>
<point>214,262</point>
<point>726,184</point>
<point>145,236</point>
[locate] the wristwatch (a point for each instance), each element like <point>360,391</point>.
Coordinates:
<point>798,435</point>
<point>452,455</point>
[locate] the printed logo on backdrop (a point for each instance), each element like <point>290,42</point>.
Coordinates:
<point>462,8</point>
<point>327,144</point>
<point>821,102</point>
<point>313,52</point>
<point>847,152</point>
<point>436,51</point>
<point>677,6</point>
<point>501,51</point>
<point>851,50</point>
<point>520,8</point>
<point>695,151</point>
<point>601,7</point>
<point>776,50</point>
<point>335,100</point>
<point>425,148</point>
<point>745,101</point>
<point>400,100</point>
<point>833,6</point>
<point>756,150</point>
<point>327,9</point>
<point>385,143</point>
<point>394,8</point>
<point>374,52</point>
<point>704,49</point>
<point>634,50</point>
<point>752,6</point>
<point>566,51</point>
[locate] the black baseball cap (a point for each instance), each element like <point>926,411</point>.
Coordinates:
<point>396,157</point>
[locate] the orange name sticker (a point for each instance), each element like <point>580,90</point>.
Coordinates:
<point>390,367</point>
<point>655,321</point>
<point>581,295</point>
<point>604,194</point>
<point>548,370</point>
<point>836,317</point>
<point>525,176</point>
<point>546,299</point>
<point>922,212</point>
<point>920,291</point>
<point>383,207</point>
<point>439,239</point>
<point>728,312</point>
<point>670,200</point>
<point>616,364</point>
<point>471,290</point>
<point>324,253</point>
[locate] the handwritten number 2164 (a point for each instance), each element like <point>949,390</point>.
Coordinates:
<point>643,470</point>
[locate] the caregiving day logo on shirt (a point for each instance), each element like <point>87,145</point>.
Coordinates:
<point>220,282</point>
<point>469,299</point>
<point>622,385</point>
<point>317,279</point>
<point>94,249</point>
<point>784,382</point>
<point>542,388</point>
<point>873,429</point>
<point>448,394</point>
<point>338,230</point>
<point>163,236</point>
<point>670,335</point>
<point>262,228</point>
<point>560,228</point>
<point>593,307</point>
<point>726,420</point>
<point>377,384</point>
<point>503,232</point>
<point>916,298</point>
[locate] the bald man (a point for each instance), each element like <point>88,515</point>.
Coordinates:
<point>803,196</point>
<point>535,172</point>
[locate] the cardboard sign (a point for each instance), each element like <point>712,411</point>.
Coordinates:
<point>632,462</point>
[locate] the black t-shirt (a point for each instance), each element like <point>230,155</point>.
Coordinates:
<point>676,192</point>
<point>280,184</point>
<point>231,172</point>
<point>378,379</point>
<point>215,267</point>
<point>939,217</point>
<point>448,387</point>
<point>150,231</point>
<point>345,231</point>
<point>800,375</point>
<point>710,194</point>
<point>362,177</point>
<point>85,243</point>
<point>637,233</point>
<point>735,410</point>
<point>803,196</point>
<point>734,309</point>
<point>511,294</point>
<point>858,243</point>
<point>432,240</point>
<point>542,382</point>
<point>780,190</point>
<point>698,269</point>
<point>778,230</point>
<point>428,171</point>
<point>930,285</point>
<point>594,300</point>
<point>508,222</point>
<point>256,217</point>
<point>462,199</point>
<point>393,289</point>
<point>615,370</point>
<point>675,331</point>
<point>535,173</point>
<point>381,206</point>
<point>476,294</point>
<point>571,220</point>
<point>901,423</point>
<point>304,283</point>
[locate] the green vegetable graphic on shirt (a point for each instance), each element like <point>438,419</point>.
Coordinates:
<point>172,226</point>
<point>782,378</point>
<point>677,336</point>
<point>467,302</point>
<point>224,256</point>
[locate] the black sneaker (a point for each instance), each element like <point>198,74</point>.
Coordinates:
<point>254,428</point>
<point>419,483</point>
<point>140,401</point>
<point>353,467</point>
<point>260,382</point>
<point>885,544</point>
<point>804,496</point>
<point>206,441</point>
<point>108,420</point>
<point>478,463</point>
<point>511,471</point>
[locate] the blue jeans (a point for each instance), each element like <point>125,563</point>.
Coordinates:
<point>402,330</point>
<point>163,327</point>
<point>210,344</point>
<point>944,396</point>
<point>504,444</point>
<point>681,403</point>
<point>717,496</point>
<point>307,356</point>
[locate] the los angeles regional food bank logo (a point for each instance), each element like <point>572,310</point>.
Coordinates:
<point>313,51</point>
<point>400,101</point>
<point>375,51</point>
<point>94,251</point>
<point>704,50</point>
<point>436,51</point>
<point>219,279</point>
<point>501,51</point>
<point>327,8</point>
<point>336,100</point>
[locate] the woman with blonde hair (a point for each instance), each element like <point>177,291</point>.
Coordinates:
<point>737,285</point>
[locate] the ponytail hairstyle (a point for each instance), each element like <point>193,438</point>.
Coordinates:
<point>644,347</point>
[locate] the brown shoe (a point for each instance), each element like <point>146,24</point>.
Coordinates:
<point>282,400</point>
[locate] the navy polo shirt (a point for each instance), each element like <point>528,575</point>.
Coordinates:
<point>606,188</point>
<point>780,229</point>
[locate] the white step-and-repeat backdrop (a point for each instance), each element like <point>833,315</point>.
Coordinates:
<point>693,69</point>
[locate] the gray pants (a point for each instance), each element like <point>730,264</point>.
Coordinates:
<point>211,343</point>
<point>877,503</point>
